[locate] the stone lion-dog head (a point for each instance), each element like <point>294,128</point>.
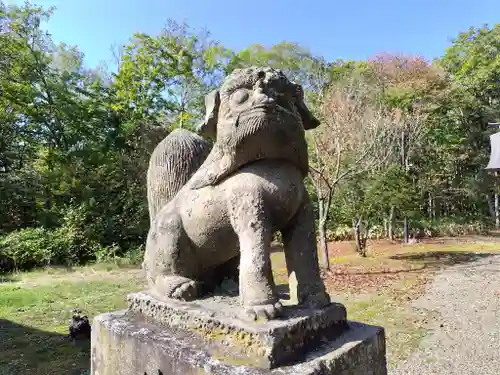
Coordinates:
<point>257,114</point>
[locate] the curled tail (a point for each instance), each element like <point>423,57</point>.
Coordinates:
<point>172,164</point>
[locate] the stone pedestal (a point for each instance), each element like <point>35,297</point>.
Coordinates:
<point>209,337</point>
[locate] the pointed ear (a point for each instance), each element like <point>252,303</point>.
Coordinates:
<point>309,121</point>
<point>208,128</point>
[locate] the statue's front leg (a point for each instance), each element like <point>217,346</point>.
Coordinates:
<point>257,291</point>
<point>301,254</point>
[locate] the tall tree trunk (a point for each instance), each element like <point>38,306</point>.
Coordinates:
<point>406,166</point>
<point>356,230</point>
<point>323,243</point>
<point>434,209</point>
<point>429,205</point>
<point>391,223</point>
<point>491,208</point>
<point>360,235</point>
<point>322,234</point>
<point>406,230</point>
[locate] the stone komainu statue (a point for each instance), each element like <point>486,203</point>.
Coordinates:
<point>211,205</point>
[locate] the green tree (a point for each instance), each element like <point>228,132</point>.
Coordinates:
<point>297,62</point>
<point>462,140</point>
<point>164,78</point>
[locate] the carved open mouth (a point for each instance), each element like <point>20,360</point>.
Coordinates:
<point>268,108</point>
<point>259,111</point>
<point>273,110</point>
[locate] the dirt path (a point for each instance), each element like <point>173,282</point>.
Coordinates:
<point>465,336</point>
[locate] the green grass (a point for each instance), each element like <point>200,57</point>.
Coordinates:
<point>390,309</point>
<point>35,309</point>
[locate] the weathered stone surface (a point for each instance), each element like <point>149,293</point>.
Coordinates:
<point>266,344</point>
<point>124,344</point>
<point>207,208</point>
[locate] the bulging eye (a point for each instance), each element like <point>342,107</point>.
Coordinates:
<point>240,96</point>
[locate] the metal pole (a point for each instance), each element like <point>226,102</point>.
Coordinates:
<point>497,217</point>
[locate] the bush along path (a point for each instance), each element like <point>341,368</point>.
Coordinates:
<point>465,335</point>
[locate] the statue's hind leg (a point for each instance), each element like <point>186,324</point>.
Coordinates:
<point>301,254</point>
<point>170,265</point>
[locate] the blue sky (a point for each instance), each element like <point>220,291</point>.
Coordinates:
<point>345,29</point>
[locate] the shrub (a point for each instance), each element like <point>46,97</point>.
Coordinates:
<point>418,228</point>
<point>25,248</point>
<point>38,247</point>
<point>73,242</point>
<point>451,228</point>
<point>113,254</point>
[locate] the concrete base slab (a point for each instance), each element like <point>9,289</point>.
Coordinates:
<point>220,322</point>
<point>124,343</point>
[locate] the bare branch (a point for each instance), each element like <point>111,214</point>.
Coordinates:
<point>356,136</point>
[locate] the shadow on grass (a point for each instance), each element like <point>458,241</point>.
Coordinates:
<point>7,278</point>
<point>423,261</point>
<point>27,350</point>
<point>438,259</point>
<point>384,272</point>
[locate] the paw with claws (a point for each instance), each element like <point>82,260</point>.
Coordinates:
<point>264,312</point>
<point>177,287</point>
